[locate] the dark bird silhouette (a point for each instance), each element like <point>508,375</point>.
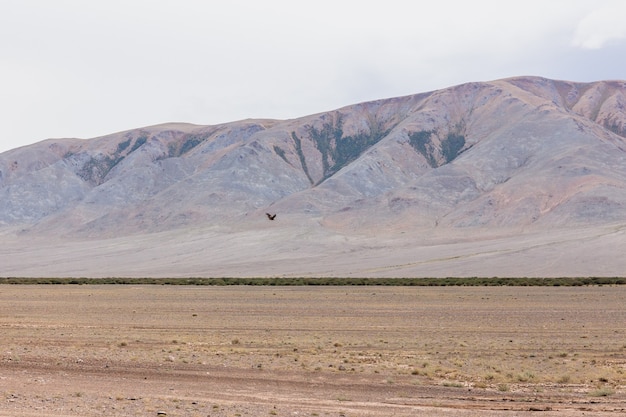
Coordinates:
<point>270,216</point>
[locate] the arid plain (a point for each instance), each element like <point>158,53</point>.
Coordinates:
<point>110,350</point>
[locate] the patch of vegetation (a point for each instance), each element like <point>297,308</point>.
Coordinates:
<point>281,152</point>
<point>616,128</point>
<point>336,281</point>
<point>97,168</point>
<point>190,143</point>
<point>298,145</point>
<point>123,145</point>
<point>338,150</point>
<point>563,379</point>
<point>451,146</point>
<point>324,138</point>
<point>171,150</point>
<point>602,392</point>
<point>421,142</point>
<point>525,377</point>
<point>139,142</point>
<point>453,384</point>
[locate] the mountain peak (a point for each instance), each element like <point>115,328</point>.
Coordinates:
<point>523,153</point>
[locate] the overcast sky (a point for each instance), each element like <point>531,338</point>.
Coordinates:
<point>76,68</point>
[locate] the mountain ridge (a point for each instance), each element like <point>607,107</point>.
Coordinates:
<point>513,157</point>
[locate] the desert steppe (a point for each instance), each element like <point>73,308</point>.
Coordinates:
<point>134,350</point>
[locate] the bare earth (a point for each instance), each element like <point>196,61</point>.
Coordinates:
<point>312,351</point>
<point>294,248</point>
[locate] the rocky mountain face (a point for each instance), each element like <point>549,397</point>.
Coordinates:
<point>524,153</point>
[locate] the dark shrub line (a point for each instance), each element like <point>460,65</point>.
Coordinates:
<point>334,281</point>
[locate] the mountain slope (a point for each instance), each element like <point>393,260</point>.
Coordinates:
<point>520,156</point>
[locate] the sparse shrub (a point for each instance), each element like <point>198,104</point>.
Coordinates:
<point>399,282</point>
<point>452,384</point>
<point>602,392</point>
<point>525,377</point>
<point>564,379</point>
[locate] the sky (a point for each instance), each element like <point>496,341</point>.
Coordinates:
<point>83,69</point>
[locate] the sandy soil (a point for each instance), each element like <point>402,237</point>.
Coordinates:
<point>299,250</point>
<point>304,351</point>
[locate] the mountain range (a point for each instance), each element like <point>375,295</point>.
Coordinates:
<point>523,176</point>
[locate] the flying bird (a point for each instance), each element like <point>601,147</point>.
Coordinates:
<point>271,216</point>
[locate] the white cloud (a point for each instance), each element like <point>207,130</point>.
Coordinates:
<point>71,68</point>
<point>603,25</point>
